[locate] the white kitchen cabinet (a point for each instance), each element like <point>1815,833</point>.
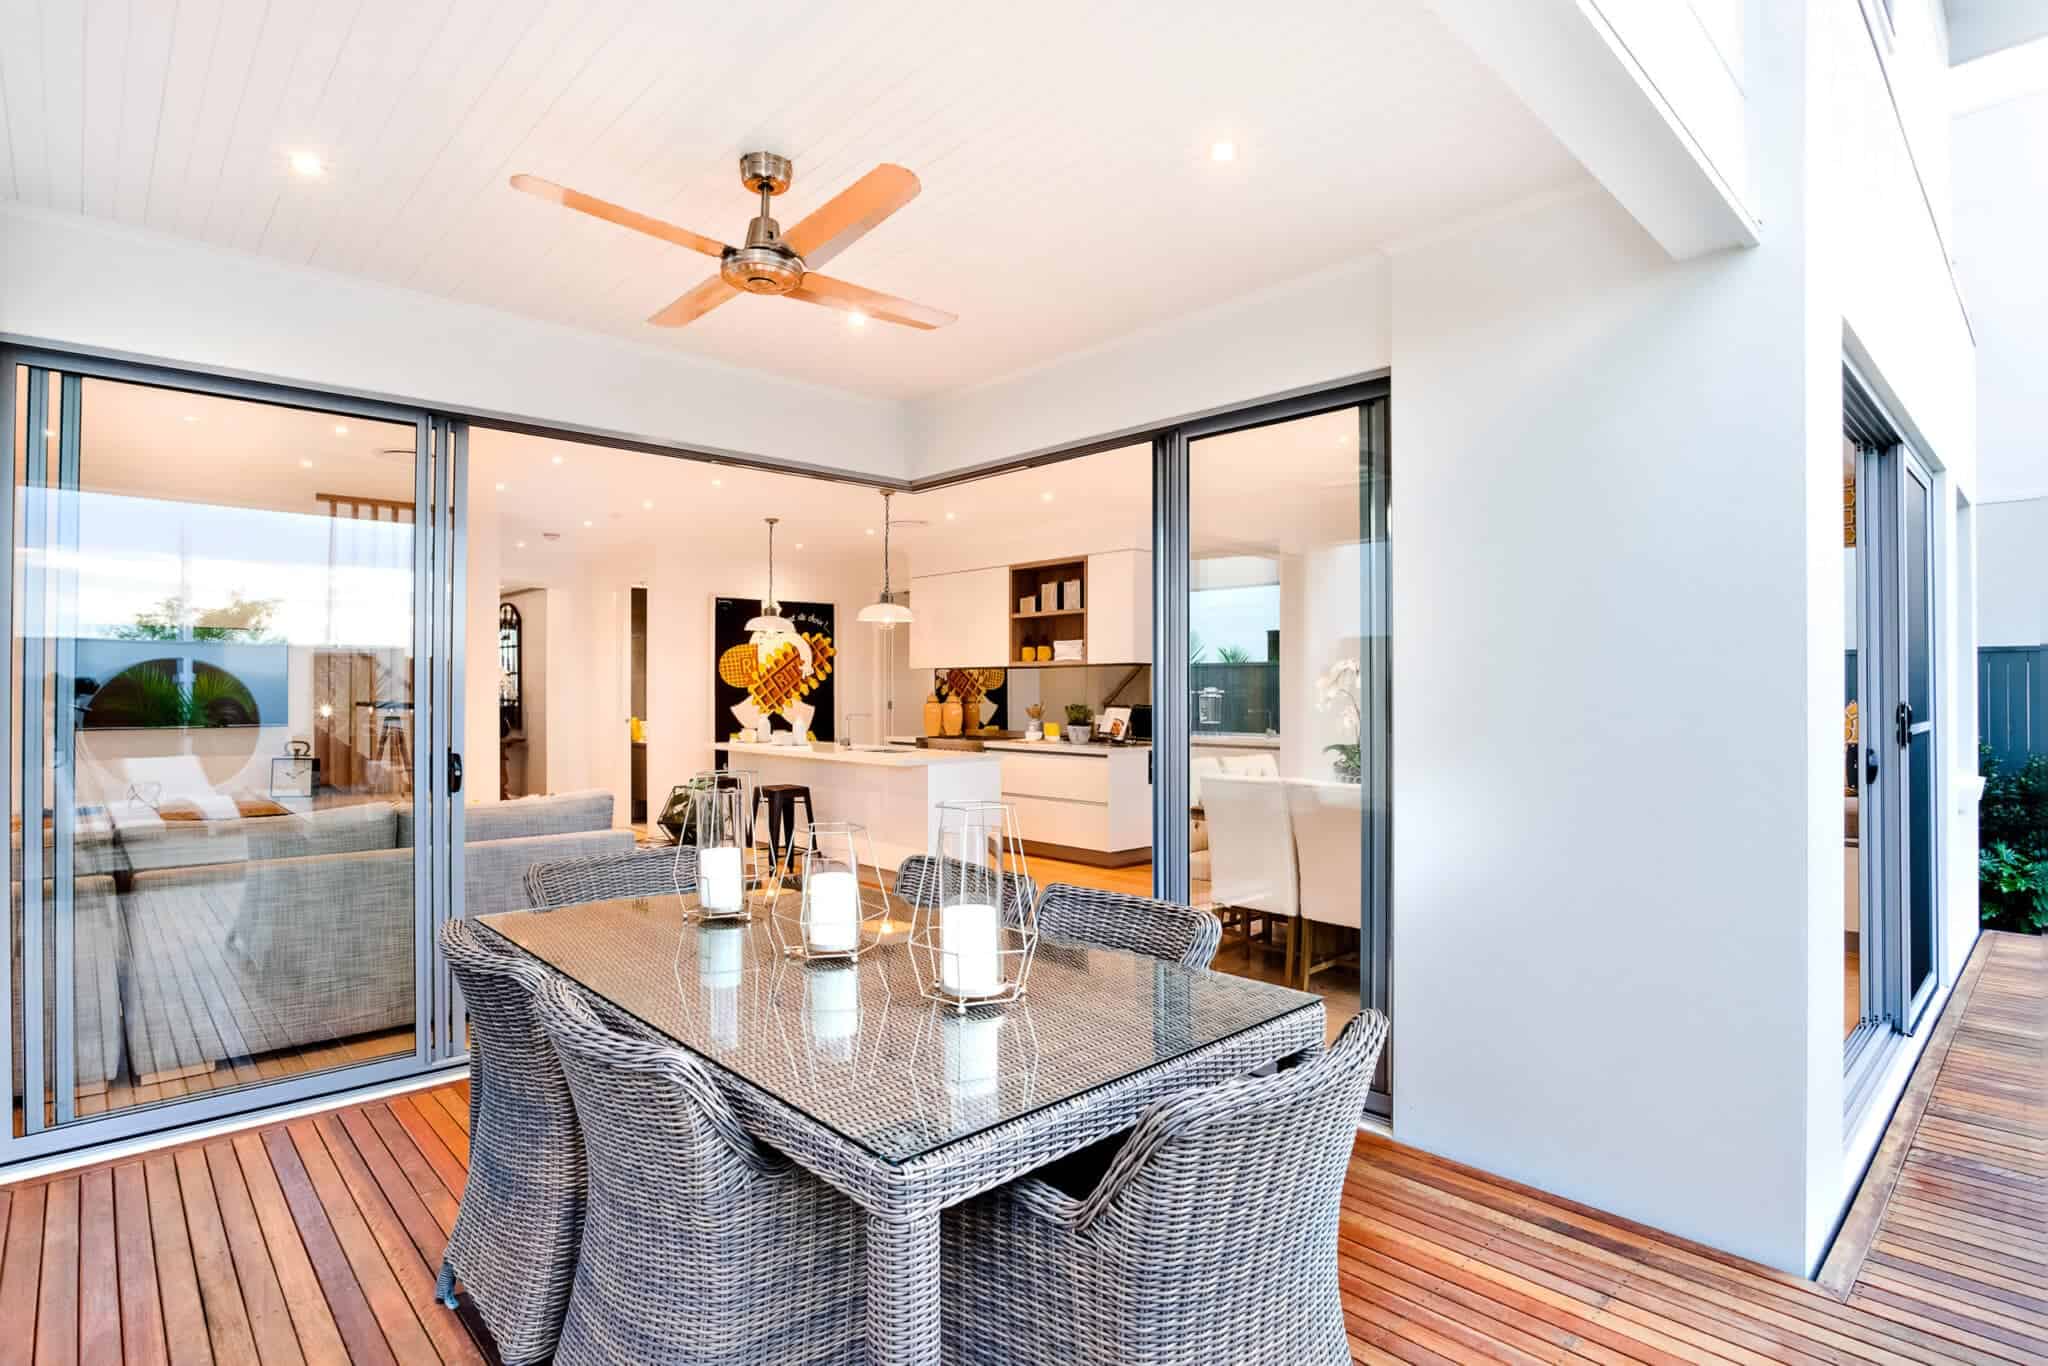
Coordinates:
<point>960,619</point>
<point>1120,607</point>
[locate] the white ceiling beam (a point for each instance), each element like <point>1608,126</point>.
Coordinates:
<point>1640,94</point>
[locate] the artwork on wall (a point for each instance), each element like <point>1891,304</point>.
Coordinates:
<point>793,687</point>
<point>983,693</point>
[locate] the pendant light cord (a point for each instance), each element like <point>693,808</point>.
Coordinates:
<point>772,601</point>
<point>886,496</point>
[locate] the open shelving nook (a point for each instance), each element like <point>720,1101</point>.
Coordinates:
<point>1049,584</point>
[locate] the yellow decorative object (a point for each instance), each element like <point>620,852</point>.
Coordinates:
<point>637,729</point>
<point>934,715</point>
<point>953,715</point>
<point>1850,726</point>
<point>1052,730</point>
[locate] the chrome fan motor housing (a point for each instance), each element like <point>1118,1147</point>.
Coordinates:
<point>762,269</point>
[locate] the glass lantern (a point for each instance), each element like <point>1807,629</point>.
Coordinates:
<point>972,936</point>
<point>842,908</point>
<point>722,852</point>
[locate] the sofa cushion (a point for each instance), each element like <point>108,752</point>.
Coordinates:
<point>566,814</point>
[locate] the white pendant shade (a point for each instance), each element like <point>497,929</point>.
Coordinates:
<point>885,613</point>
<point>767,625</point>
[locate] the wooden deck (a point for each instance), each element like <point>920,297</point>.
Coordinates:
<point>317,1241</point>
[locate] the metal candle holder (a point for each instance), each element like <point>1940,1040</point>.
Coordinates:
<point>971,938</point>
<point>837,914</point>
<point>722,853</point>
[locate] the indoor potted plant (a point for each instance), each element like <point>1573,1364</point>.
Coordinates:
<point>1080,727</point>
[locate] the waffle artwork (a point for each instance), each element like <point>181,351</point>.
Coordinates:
<point>792,685</point>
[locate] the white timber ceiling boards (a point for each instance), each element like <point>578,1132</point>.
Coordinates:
<point>1071,193</point>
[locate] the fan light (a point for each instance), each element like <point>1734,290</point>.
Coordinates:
<point>886,612</point>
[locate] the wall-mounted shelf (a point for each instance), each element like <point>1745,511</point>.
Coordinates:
<point>1042,582</point>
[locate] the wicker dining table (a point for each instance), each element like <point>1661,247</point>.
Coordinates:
<point>905,1106</point>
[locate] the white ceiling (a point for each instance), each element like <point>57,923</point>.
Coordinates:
<point>1068,193</point>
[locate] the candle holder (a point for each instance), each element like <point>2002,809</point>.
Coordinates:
<point>837,914</point>
<point>971,942</point>
<point>721,853</point>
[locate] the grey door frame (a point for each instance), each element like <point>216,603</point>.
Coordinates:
<point>437,886</point>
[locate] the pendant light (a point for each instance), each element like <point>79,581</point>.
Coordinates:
<point>771,630</point>
<point>887,612</point>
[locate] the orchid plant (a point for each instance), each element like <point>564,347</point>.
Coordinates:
<point>1338,690</point>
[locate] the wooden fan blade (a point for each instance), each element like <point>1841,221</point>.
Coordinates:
<point>616,213</point>
<point>695,304</point>
<point>846,218</point>
<point>831,293</point>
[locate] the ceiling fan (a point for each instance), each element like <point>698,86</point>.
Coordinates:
<point>774,262</point>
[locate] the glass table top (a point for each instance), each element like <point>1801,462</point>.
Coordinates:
<point>858,1048</point>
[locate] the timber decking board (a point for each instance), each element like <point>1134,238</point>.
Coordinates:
<point>321,1237</point>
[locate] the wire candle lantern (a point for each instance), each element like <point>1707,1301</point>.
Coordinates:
<point>722,852</point>
<point>842,909</point>
<point>972,938</point>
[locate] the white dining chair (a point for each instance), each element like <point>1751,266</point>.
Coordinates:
<point>1329,828</point>
<point>1253,874</point>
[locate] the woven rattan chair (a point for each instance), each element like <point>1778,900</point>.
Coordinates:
<point>515,1238</point>
<point>662,871</point>
<point>1115,920</point>
<point>1212,1237</point>
<point>700,1245</point>
<point>917,878</point>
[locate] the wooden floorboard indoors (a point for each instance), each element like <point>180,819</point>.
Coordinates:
<point>317,1240</point>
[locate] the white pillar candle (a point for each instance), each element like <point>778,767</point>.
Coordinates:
<point>718,879</point>
<point>973,1054</point>
<point>835,1009</point>
<point>832,912</point>
<point>969,961</point>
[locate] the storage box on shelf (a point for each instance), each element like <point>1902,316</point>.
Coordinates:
<point>1057,591</point>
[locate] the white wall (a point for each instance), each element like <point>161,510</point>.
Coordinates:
<point>2012,573</point>
<point>1329,326</point>
<point>73,281</point>
<point>2001,188</point>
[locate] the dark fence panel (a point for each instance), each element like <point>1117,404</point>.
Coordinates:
<point>2012,701</point>
<point>1242,699</point>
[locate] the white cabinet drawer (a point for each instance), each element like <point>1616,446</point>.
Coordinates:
<point>1076,778</point>
<point>1077,825</point>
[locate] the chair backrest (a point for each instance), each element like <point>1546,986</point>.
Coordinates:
<point>1237,1187</point>
<point>666,870</point>
<point>650,1113</point>
<point>519,1106</point>
<point>1117,920</point>
<point>917,880</point>
<point>1329,831</point>
<point>1251,845</point>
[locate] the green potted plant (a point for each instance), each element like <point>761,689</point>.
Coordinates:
<point>1080,723</point>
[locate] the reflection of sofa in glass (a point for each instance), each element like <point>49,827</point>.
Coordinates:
<point>253,935</point>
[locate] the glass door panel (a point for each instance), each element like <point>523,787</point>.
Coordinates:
<point>1287,705</point>
<point>213,638</point>
<point>1917,724</point>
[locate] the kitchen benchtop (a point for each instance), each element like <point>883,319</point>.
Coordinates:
<point>1088,751</point>
<point>896,756</point>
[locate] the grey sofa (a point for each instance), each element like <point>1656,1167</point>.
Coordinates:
<point>99,947</point>
<point>271,933</point>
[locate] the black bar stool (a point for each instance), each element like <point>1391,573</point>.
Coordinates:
<point>781,800</point>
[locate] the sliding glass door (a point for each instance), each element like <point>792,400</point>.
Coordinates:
<point>225,775</point>
<point>1273,675</point>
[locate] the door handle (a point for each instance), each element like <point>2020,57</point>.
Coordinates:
<point>454,773</point>
<point>1903,720</point>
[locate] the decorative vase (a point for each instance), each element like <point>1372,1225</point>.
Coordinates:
<point>934,712</point>
<point>952,715</point>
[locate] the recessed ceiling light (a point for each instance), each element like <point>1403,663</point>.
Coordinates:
<point>556,460</point>
<point>1046,496</point>
<point>340,429</point>
<point>799,545</point>
<point>519,545</point>
<point>856,318</point>
<point>191,417</point>
<point>647,503</point>
<point>718,483</point>
<point>1223,151</point>
<point>871,531</point>
<point>949,516</point>
<point>589,523</point>
<point>500,486</point>
<point>308,163</point>
<point>305,464</point>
